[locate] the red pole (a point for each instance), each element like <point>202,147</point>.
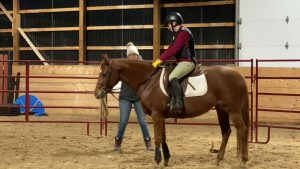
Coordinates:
<point>88,128</point>
<point>256,103</point>
<point>251,118</point>
<point>101,119</point>
<point>27,108</point>
<point>105,120</point>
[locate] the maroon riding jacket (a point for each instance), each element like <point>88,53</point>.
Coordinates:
<point>182,46</point>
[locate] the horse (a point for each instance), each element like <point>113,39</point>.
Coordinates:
<point>227,92</point>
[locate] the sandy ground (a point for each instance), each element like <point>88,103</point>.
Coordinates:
<point>67,146</point>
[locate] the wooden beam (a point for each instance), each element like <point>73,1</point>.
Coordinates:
<point>15,25</point>
<point>202,25</point>
<point>6,49</point>
<point>229,46</point>
<point>91,8</point>
<point>16,36</point>
<point>119,27</point>
<point>50,29</point>
<point>156,29</point>
<point>115,7</point>
<point>5,30</point>
<point>82,30</point>
<point>117,47</point>
<point>189,25</point>
<point>53,48</point>
<point>191,4</point>
<point>26,11</point>
<point>213,46</point>
<point>118,7</point>
<point>6,12</point>
<point>32,46</point>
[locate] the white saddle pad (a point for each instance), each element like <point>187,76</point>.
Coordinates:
<point>197,85</point>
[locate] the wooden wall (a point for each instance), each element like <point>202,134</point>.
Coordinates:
<point>84,29</point>
<point>289,86</point>
<point>278,86</point>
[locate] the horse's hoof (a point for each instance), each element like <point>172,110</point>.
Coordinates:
<point>243,164</point>
<point>157,161</point>
<point>166,163</point>
<point>218,161</point>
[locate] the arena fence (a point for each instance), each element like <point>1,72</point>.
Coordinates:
<point>28,77</point>
<point>253,77</point>
<point>258,94</point>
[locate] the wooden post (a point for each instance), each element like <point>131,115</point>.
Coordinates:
<point>82,30</point>
<point>15,25</point>
<point>156,29</point>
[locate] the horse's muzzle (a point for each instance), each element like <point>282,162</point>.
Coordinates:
<point>100,94</point>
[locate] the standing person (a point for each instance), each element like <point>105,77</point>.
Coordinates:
<point>127,99</point>
<point>183,48</point>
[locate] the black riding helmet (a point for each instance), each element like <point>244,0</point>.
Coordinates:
<point>174,16</point>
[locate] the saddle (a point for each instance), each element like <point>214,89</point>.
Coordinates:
<point>193,84</point>
<point>197,71</point>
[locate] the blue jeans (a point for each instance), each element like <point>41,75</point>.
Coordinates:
<point>125,109</point>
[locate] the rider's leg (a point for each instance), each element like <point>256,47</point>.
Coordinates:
<point>182,69</point>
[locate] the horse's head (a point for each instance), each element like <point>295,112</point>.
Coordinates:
<point>108,78</point>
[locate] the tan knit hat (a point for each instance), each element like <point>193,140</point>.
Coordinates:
<point>131,49</point>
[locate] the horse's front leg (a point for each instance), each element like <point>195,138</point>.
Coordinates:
<point>158,122</point>
<point>165,148</point>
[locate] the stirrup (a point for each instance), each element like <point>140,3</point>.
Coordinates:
<point>175,110</point>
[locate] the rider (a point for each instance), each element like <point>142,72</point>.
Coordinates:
<point>183,48</point>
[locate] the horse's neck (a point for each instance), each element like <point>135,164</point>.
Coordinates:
<point>136,73</point>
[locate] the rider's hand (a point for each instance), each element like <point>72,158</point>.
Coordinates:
<point>156,63</point>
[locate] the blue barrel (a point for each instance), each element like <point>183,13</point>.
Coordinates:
<point>35,102</point>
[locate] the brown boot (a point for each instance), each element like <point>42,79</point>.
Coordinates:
<point>148,144</point>
<point>118,143</point>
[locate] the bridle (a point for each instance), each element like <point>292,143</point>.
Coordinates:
<point>105,76</point>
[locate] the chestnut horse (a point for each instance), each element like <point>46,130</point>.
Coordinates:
<point>227,92</point>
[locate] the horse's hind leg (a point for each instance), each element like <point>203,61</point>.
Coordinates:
<point>242,136</point>
<point>223,118</point>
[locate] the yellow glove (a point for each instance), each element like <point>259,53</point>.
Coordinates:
<point>156,63</point>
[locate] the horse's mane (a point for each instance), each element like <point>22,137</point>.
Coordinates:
<point>146,62</point>
<point>142,64</point>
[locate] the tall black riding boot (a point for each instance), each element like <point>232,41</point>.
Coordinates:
<point>177,106</point>
<point>172,101</point>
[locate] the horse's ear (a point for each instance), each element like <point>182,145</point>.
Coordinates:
<point>105,58</point>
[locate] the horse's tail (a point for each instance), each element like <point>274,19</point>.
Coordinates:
<point>245,109</point>
<point>244,137</point>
